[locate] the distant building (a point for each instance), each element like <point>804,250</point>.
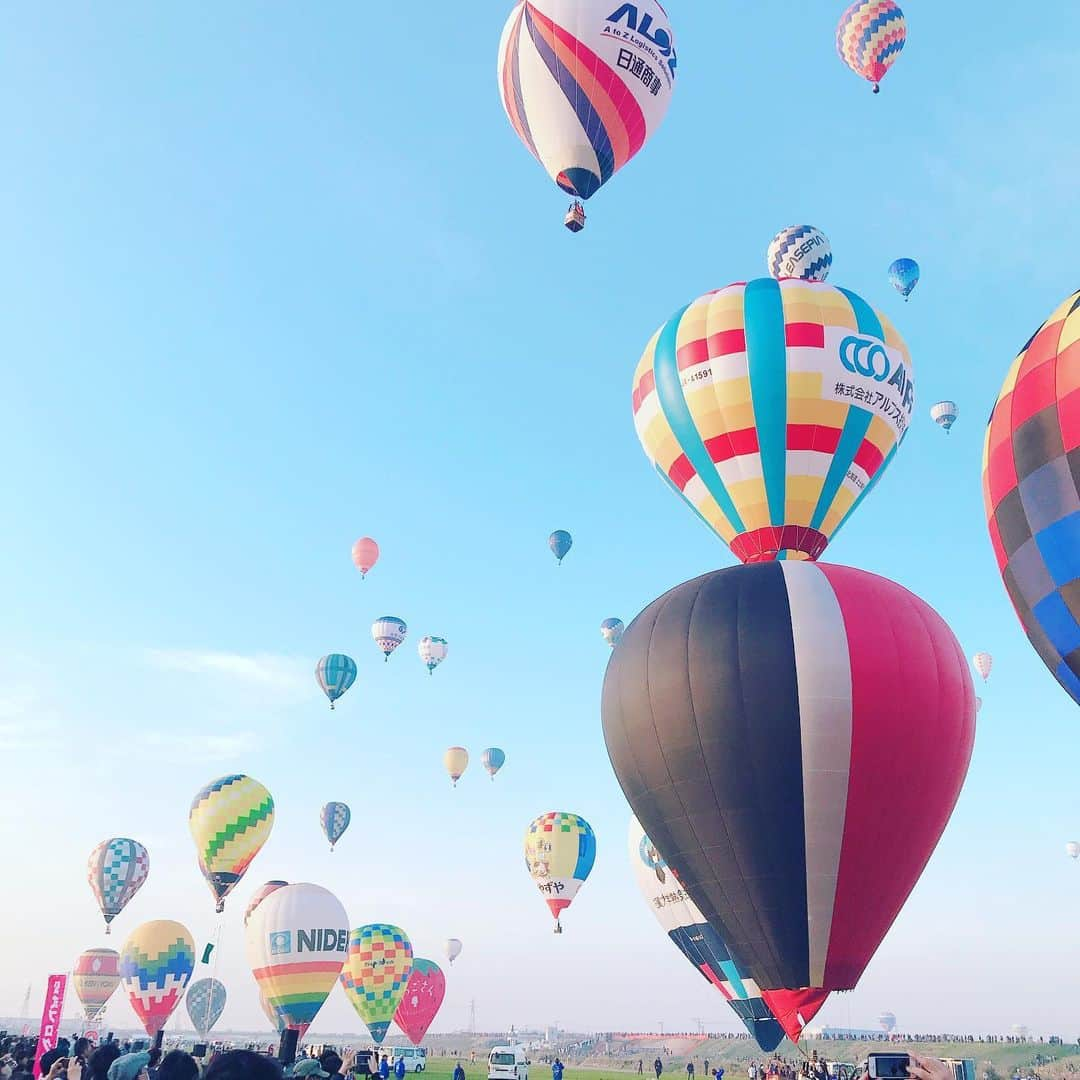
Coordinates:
<point>827,1032</point>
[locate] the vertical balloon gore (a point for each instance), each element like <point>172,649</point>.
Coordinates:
<point>752,717</point>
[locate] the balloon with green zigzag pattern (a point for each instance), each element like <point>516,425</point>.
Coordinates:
<point>230,820</point>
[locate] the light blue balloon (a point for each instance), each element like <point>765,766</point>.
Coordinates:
<point>560,542</point>
<point>335,673</point>
<point>205,1002</point>
<point>335,818</point>
<point>493,760</point>
<point>904,276</point>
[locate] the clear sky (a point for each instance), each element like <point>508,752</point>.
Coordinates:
<point>277,276</point>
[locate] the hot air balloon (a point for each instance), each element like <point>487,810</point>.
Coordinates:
<point>1031,496</point>
<point>702,946</point>
<point>389,632</point>
<point>869,38</point>
<point>584,84</point>
<point>493,759</point>
<point>560,542</point>
<point>755,762</point>
<point>335,673</point>
<point>452,949</point>
<point>560,850</point>
<point>983,662</point>
<point>1072,849</point>
<point>376,973</point>
<point>456,761</point>
<point>944,413</point>
<point>296,943</point>
<point>95,976</point>
<point>773,408</point>
<point>424,993</point>
<point>260,894</point>
<point>611,630</point>
<point>978,705</point>
<point>432,651</point>
<point>799,251</point>
<point>205,1002</point>
<point>116,870</point>
<point>365,554</point>
<point>335,818</point>
<point>887,1021</point>
<point>155,964</point>
<point>230,820</point>
<point>904,276</point>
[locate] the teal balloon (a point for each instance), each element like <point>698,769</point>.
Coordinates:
<point>335,818</point>
<point>560,542</point>
<point>904,276</point>
<point>335,673</point>
<point>493,759</point>
<point>205,1003</point>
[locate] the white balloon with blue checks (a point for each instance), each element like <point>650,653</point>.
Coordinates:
<point>800,251</point>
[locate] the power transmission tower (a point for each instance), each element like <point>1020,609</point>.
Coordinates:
<point>700,1025</point>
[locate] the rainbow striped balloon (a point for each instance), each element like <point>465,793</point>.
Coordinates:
<point>376,974</point>
<point>772,408</point>
<point>155,964</point>
<point>869,38</point>
<point>585,83</point>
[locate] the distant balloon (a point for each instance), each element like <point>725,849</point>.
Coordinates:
<point>702,945</point>
<point>155,964</point>
<point>978,704</point>
<point>904,276</point>
<point>887,1021</point>
<point>116,871</point>
<point>869,38</point>
<point>1031,494</point>
<point>611,630</point>
<point>1072,849</point>
<point>772,409</point>
<point>799,251</point>
<point>834,677</point>
<point>432,651</point>
<point>205,1003</point>
<point>365,554</point>
<point>456,761</point>
<point>260,894</point>
<point>335,818</point>
<point>983,662</point>
<point>560,542</point>
<point>492,760</point>
<point>560,850</point>
<point>96,976</point>
<point>944,413</point>
<point>296,940</point>
<point>389,632</point>
<point>230,820</point>
<point>424,993</point>
<point>376,973</point>
<point>335,673</point>
<point>585,85</point>
<point>452,949</point>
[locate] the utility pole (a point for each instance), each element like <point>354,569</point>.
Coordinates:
<point>26,1002</point>
<point>661,1028</point>
<point>472,1017</point>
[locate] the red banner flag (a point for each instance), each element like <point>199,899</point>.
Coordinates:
<point>51,1015</point>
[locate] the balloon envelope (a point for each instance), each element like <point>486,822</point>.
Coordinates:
<point>1031,495</point>
<point>560,542</point>
<point>699,942</point>
<point>611,630</point>
<point>230,820</point>
<point>869,38</point>
<point>155,964</point>
<point>365,554</point>
<point>116,871</point>
<point>205,1002</point>
<point>772,408</point>
<point>944,413</point>
<point>799,251</point>
<point>456,761</point>
<point>1072,849</point>
<point>983,662</point>
<point>452,949</point>
<point>493,759</point>
<point>389,632</point>
<point>560,850</point>
<point>424,993</point>
<point>432,651</point>
<point>335,818</point>
<point>96,976</point>
<point>376,973</point>
<point>585,83</point>
<point>904,276</point>
<point>296,944</point>
<point>260,894</point>
<point>335,673</point>
<point>752,716</point>
<point>887,1021</point>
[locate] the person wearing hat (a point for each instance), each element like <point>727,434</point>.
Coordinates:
<point>306,1067</point>
<point>130,1067</point>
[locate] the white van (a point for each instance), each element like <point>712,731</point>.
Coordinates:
<point>508,1063</point>
<point>415,1057</point>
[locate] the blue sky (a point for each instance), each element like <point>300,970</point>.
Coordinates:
<point>275,278</point>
